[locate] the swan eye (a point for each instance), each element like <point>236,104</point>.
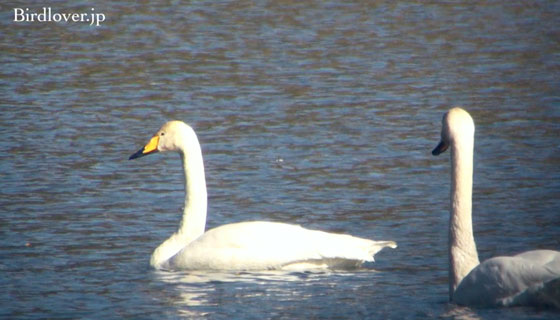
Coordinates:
<point>162,134</point>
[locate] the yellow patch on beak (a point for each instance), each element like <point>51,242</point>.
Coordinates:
<point>148,148</point>
<point>151,146</point>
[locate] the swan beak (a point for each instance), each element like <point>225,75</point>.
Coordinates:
<point>441,147</point>
<point>151,147</point>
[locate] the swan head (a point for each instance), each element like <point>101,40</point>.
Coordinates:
<point>456,124</point>
<point>172,136</point>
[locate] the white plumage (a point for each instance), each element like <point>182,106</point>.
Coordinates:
<point>529,278</point>
<point>523,279</point>
<point>254,245</point>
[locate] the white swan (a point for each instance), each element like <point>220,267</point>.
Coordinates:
<point>529,278</point>
<point>255,245</point>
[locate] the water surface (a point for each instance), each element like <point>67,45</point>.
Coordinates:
<point>320,113</point>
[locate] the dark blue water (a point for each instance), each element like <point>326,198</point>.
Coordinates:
<point>321,113</point>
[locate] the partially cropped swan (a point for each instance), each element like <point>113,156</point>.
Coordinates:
<point>254,245</point>
<point>529,278</point>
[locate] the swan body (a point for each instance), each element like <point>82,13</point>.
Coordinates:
<point>529,278</point>
<point>261,245</point>
<point>252,245</point>
<point>518,280</point>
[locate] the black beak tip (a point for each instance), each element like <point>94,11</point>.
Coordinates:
<point>138,154</point>
<point>441,147</point>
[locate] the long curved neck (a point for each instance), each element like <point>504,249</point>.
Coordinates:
<point>193,222</point>
<point>462,248</point>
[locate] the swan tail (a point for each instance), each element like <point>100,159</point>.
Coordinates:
<point>353,248</point>
<point>346,257</point>
<point>379,245</point>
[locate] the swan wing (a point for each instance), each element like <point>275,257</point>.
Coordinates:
<point>262,245</point>
<point>530,278</point>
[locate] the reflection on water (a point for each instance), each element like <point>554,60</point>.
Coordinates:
<point>199,288</point>
<point>321,114</point>
<point>198,293</point>
<point>462,313</point>
<point>192,277</point>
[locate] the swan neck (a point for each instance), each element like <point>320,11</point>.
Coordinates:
<point>463,256</point>
<point>193,221</point>
<point>194,214</point>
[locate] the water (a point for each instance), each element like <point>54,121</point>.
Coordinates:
<point>322,114</point>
